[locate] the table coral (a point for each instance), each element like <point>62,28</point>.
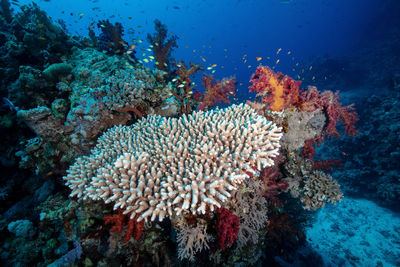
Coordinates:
<point>159,167</point>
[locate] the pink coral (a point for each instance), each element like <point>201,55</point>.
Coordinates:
<point>216,91</point>
<point>227,227</point>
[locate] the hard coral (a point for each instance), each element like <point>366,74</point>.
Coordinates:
<point>216,91</point>
<point>227,227</point>
<point>160,167</point>
<point>162,47</point>
<point>277,90</point>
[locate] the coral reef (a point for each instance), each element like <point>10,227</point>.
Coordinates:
<point>153,182</point>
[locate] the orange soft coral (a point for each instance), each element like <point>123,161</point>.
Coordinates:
<point>276,89</point>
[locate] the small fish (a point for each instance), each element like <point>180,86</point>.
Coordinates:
<point>213,65</point>
<point>258,58</point>
<point>132,47</point>
<point>140,41</point>
<point>279,50</point>
<point>277,61</point>
<point>80,15</point>
<point>310,68</point>
<point>289,53</point>
<point>174,79</point>
<point>249,66</point>
<point>213,71</point>
<point>165,64</point>
<point>194,50</point>
<point>181,85</point>
<point>148,49</point>
<point>202,58</point>
<point>313,78</point>
<point>151,46</point>
<point>146,60</point>
<point>151,57</point>
<point>123,43</point>
<point>209,68</point>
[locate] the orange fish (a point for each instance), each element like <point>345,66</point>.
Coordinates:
<point>277,61</point>
<point>258,58</point>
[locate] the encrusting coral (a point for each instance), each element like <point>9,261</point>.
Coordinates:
<point>159,167</point>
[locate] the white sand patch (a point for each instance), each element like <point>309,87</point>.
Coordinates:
<point>356,232</point>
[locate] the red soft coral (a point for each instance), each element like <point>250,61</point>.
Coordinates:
<point>277,90</point>
<point>118,221</point>
<point>329,102</point>
<point>227,227</point>
<point>216,91</point>
<point>272,183</point>
<point>327,165</point>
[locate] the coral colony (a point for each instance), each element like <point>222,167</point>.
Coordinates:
<point>154,171</point>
